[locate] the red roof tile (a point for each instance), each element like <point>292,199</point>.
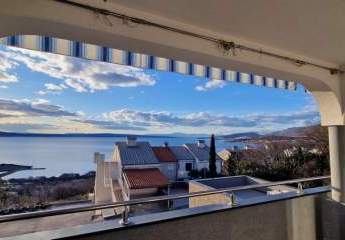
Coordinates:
<point>145,178</point>
<point>164,154</point>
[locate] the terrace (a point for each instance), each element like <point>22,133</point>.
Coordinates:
<point>258,42</point>
<point>260,194</point>
<point>302,214</point>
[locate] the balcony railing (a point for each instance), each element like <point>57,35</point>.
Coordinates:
<point>126,204</point>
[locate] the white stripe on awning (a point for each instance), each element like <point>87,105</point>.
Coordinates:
<point>110,55</point>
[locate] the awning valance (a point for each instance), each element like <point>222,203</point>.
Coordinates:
<point>116,56</point>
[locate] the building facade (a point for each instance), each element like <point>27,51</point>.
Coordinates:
<point>138,169</point>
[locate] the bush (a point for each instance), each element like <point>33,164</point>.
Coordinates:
<point>279,167</point>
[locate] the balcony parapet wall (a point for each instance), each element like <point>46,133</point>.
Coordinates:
<point>290,217</point>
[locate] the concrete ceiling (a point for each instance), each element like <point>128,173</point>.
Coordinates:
<point>314,28</point>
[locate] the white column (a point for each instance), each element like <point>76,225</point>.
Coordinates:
<point>337,161</point>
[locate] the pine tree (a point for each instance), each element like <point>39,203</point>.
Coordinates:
<point>232,164</point>
<point>212,158</point>
<point>3,194</point>
<point>300,156</point>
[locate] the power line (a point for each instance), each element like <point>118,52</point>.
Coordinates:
<point>226,46</point>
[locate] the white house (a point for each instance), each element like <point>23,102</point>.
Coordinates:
<point>168,162</point>
<point>185,161</point>
<point>138,169</point>
<point>200,152</point>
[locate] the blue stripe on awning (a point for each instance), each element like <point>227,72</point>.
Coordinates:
<point>191,69</point>
<point>264,81</point>
<point>238,77</point>
<point>47,44</point>
<point>223,74</point>
<point>207,73</point>
<point>172,66</point>
<point>251,79</point>
<point>105,54</point>
<point>151,62</point>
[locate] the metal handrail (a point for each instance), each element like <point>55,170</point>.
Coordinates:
<point>47,213</point>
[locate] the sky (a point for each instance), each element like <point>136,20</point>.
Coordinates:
<point>49,93</point>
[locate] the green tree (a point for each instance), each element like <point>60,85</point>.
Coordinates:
<point>3,194</point>
<point>300,156</point>
<point>232,164</point>
<point>212,158</point>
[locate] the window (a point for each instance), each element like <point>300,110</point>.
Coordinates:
<point>189,167</point>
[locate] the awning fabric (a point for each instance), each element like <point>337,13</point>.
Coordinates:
<point>116,56</point>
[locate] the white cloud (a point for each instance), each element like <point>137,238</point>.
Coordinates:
<point>27,107</point>
<point>26,112</point>
<point>300,118</point>
<point>26,127</point>
<point>81,75</point>
<point>6,65</point>
<point>41,92</point>
<point>77,85</point>
<point>311,104</point>
<point>110,125</point>
<point>205,119</point>
<point>211,84</point>
<point>3,86</point>
<point>52,88</point>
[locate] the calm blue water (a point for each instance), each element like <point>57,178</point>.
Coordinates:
<point>69,154</point>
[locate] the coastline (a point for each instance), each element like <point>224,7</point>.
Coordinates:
<point>37,193</point>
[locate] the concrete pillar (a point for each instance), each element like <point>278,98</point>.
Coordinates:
<point>337,161</point>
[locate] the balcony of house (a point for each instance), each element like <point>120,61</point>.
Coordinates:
<point>246,208</point>
<point>271,44</point>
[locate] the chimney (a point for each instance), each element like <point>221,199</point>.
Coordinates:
<point>201,143</point>
<point>131,141</point>
<point>166,144</point>
<point>98,157</point>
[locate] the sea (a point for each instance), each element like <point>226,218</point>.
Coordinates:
<point>60,155</point>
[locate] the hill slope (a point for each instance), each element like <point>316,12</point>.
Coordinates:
<point>296,131</point>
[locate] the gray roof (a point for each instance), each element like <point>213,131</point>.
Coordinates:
<point>140,154</point>
<point>181,153</point>
<point>202,154</point>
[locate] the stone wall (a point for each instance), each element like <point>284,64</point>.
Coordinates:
<point>194,186</point>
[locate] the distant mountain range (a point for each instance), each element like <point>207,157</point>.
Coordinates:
<point>295,132</point>
<point>245,135</point>
<point>182,135</point>
<point>289,132</point>
<point>172,135</point>
<point>14,134</point>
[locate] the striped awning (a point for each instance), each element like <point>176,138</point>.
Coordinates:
<point>111,55</point>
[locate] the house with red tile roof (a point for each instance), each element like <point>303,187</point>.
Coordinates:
<point>143,181</point>
<point>143,169</point>
<point>140,168</point>
<point>168,162</point>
